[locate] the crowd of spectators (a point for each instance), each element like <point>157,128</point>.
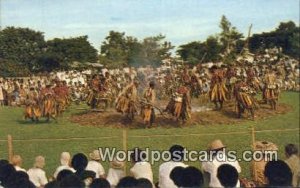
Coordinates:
<point>78,171</point>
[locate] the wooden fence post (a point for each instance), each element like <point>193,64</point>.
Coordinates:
<point>125,149</point>
<point>9,147</point>
<point>253,149</point>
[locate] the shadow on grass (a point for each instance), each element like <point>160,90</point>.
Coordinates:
<point>41,122</point>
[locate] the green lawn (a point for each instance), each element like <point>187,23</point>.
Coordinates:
<point>27,136</point>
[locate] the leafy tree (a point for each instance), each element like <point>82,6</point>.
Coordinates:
<point>198,52</point>
<point>114,49</point>
<point>286,36</point>
<point>229,37</point>
<point>21,46</point>
<point>120,50</point>
<point>62,52</point>
<point>154,50</point>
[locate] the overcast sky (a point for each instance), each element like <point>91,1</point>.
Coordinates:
<point>182,21</point>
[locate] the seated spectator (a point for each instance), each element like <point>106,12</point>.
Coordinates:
<point>6,172</point>
<point>278,174</point>
<point>72,181</point>
<point>94,165</point>
<point>187,177</point>
<point>144,183</point>
<point>192,177</point>
<point>292,155</point>
<point>65,160</point>
<point>176,175</point>
<point>217,149</point>
<point>60,176</point>
<point>141,168</point>
<point>20,179</point>
<point>177,154</point>
<point>227,175</point>
<point>79,163</point>
<point>115,172</point>
<point>16,161</point>
<point>127,182</point>
<point>100,183</point>
<point>36,174</point>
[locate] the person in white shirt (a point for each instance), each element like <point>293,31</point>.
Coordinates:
<point>36,174</point>
<point>164,180</point>
<point>94,164</point>
<point>16,161</point>
<point>115,172</point>
<point>219,158</point>
<point>141,168</point>
<point>65,160</point>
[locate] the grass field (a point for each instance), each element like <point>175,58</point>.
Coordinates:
<point>31,139</point>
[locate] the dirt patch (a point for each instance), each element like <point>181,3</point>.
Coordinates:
<point>227,115</point>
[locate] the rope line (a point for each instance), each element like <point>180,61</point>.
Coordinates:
<point>148,136</point>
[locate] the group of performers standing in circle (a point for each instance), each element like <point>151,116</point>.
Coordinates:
<point>102,89</point>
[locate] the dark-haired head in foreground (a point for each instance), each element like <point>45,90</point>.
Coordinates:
<point>187,177</point>
<point>143,182</point>
<point>127,182</point>
<point>227,175</point>
<point>100,183</point>
<point>278,173</point>
<point>177,153</point>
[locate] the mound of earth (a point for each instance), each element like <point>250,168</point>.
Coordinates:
<point>228,115</point>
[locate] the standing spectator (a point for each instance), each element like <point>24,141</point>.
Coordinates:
<point>115,172</point>
<point>217,149</point>
<point>291,153</point>
<point>36,174</point>
<point>17,162</point>
<point>177,154</point>
<point>65,160</point>
<point>95,166</point>
<point>141,168</point>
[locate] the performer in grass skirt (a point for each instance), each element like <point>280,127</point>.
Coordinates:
<point>126,101</point>
<point>32,108</point>
<point>48,102</point>
<point>271,90</point>
<point>244,98</point>
<point>180,104</point>
<point>218,89</point>
<point>147,109</point>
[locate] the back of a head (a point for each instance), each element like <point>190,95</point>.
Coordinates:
<point>100,183</point>
<point>6,171</point>
<point>177,175</point>
<point>192,177</point>
<point>16,160</point>
<point>79,162</point>
<point>65,158</point>
<point>177,153</point>
<point>278,173</point>
<point>227,175</point>
<point>127,182</point>
<point>62,174</point>
<point>39,162</point>
<point>144,183</point>
<point>291,149</point>
<point>137,155</point>
<point>3,162</point>
<point>71,181</point>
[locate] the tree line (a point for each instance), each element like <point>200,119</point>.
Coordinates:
<point>24,51</point>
